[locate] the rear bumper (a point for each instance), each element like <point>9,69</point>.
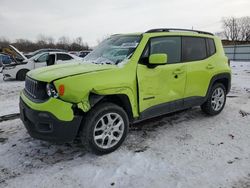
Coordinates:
<point>45,126</point>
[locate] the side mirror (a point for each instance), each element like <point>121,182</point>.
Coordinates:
<point>158,59</point>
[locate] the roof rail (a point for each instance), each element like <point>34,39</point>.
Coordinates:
<point>177,29</point>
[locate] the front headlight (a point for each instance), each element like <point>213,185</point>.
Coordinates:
<point>51,90</point>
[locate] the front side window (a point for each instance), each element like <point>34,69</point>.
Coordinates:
<point>42,58</point>
<point>114,50</point>
<point>193,48</point>
<point>167,45</point>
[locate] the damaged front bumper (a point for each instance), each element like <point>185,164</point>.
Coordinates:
<point>45,125</point>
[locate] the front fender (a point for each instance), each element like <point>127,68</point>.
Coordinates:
<point>86,106</point>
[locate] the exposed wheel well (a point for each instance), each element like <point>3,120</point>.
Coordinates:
<point>223,81</point>
<point>121,100</point>
<point>19,72</point>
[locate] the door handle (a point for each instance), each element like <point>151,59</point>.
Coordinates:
<point>178,71</point>
<point>209,66</point>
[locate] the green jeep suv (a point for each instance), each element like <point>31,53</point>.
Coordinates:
<point>126,79</point>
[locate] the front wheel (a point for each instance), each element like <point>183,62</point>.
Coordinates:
<point>21,74</point>
<point>216,100</point>
<point>105,128</point>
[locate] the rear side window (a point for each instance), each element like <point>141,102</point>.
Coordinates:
<point>167,45</point>
<point>210,47</point>
<point>63,57</point>
<point>193,48</point>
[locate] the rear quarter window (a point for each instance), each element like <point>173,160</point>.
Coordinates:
<point>210,47</point>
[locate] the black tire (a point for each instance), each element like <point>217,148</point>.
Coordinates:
<point>92,120</point>
<point>21,74</point>
<point>207,106</point>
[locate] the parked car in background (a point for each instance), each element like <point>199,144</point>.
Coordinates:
<point>31,54</point>
<point>84,53</point>
<point>77,53</point>
<point>5,60</point>
<point>18,71</point>
<point>15,54</point>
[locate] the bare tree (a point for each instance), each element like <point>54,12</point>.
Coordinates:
<point>236,29</point>
<point>244,24</point>
<point>78,41</point>
<point>63,42</point>
<point>231,28</point>
<point>4,42</point>
<point>43,41</point>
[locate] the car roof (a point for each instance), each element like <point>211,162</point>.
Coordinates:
<point>171,32</point>
<point>58,52</point>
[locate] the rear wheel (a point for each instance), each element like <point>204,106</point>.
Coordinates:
<point>216,100</point>
<point>21,74</point>
<point>105,128</point>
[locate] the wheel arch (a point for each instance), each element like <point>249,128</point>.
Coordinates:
<point>121,100</point>
<point>224,78</point>
<point>23,69</point>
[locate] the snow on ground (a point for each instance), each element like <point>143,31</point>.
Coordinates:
<point>185,149</point>
<point>9,95</point>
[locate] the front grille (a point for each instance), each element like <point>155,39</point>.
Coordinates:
<point>35,89</point>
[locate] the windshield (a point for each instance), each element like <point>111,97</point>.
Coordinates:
<point>36,52</point>
<point>114,50</point>
<point>36,56</point>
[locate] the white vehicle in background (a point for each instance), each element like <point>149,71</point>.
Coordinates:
<point>18,71</point>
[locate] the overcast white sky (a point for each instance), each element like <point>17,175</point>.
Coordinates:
<point>92,20</point>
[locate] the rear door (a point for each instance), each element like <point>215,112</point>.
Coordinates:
<point>162,84</point>
<point>200,67</point>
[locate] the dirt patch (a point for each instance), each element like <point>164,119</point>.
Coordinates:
<point>184,137</point>
<point>142,149</point>
<point>234,160</point>
<point>7,174</point>
<point>232,96</point>
<point>243,113</point>
<point>3,140</point>
<point>51,153</point>
<point>9,117</point>
<point>242,183</point>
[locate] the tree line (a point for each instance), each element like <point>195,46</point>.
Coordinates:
<point>236,29</point>
<point>42,41</point>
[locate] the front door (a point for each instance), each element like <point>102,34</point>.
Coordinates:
<point>161,88</point>
<point>41,61</point>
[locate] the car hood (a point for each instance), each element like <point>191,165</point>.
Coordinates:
<point>16,53</point>
<point>54,72</point>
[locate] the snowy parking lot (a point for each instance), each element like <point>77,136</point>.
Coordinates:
<point>184,149</point>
